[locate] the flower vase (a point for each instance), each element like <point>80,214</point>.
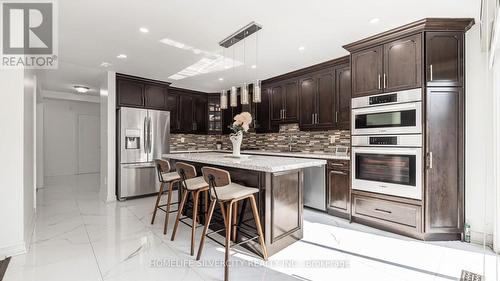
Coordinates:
<point>236,139</point>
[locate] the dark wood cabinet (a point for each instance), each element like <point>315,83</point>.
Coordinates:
<point>172,106</point>
<point>403,64</point>
<point>262,113</point>
<point>444,59</point>
<point>130,93</point>
<point>338,188</point>
<point>429,54</point>
<point>343,97</point>
<point>200,114</point>
<point>276,101</point>
<point>325,99</point>
<point>284,102</point>
<point>156,97</point>
<point>186,120</point>
<point>307,97</point>
<point>367,69</point>
<point>444,160</point>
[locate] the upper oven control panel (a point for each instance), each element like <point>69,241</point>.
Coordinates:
<point>412,95</point>
<point>414,140</point>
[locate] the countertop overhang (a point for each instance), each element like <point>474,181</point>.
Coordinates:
<point>263,163</point>
<point>311,155</point>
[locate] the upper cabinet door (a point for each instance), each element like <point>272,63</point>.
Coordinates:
<point>156,97</point>
<point>325,109</point>
<point>403,64</point>
<point>307,96</point>
<point>186,117</point>
<point>200,114</point>
<point>276,103</point>
<point>172,106</point>
<point>444,59</point>
<point>130,93</point>
<point>343,97</point>
<point>367,72</point>
<point>262,120</point>
<point>291,102</point>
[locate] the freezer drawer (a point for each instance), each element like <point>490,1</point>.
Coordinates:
<point>136,180</point>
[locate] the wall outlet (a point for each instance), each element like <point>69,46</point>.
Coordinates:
<point>183,140</point>
<point>333,138</point>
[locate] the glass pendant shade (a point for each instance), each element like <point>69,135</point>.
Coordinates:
<point>244,94</point>
<point>257,95</point>
<point>233,98</point>
<point>223,99</point>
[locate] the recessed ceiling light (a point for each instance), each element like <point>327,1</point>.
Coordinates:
<point>122,56</point>
<point>81,89</point>
<point>143,30</point>
<point>254,66</point>
<point>105,64</point>
<point>374,20</point>
<point>302,48</point>
<point>221,79</point>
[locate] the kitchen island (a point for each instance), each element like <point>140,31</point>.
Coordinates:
<point>280,181</point>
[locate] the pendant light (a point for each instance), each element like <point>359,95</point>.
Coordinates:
<point>223,99</point>
<point>257,95</point>
<point>244,88</point>
<point>233,97</point>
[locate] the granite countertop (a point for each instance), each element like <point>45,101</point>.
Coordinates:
<point>261,163</point>
<point>326,156</point>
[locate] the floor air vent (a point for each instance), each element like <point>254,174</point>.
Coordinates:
<point>469,276</point>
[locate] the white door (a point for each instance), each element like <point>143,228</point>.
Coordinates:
<point>88,144</point>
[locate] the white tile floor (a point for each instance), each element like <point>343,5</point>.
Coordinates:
<point>78,237</point>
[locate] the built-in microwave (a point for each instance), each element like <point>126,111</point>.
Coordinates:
<point>389,164</point>
<point>392,113</point>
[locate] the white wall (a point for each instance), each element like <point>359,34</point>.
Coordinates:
<point>62,135</point>
<point>108,136</point>
<point>479,203</point>
<point>17,168</point>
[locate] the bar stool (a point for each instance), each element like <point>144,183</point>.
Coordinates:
<point>165,177</point>
<point>223,191</point>
<point>190,183</point>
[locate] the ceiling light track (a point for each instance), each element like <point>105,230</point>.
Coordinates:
<point>239,35</point>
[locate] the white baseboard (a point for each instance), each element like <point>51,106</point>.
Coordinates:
<point>13,250</point>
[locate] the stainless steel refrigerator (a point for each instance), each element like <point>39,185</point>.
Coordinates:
<point>143,137</point>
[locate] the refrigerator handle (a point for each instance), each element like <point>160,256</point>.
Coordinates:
<point>150,134</point>
<point>145,130</point>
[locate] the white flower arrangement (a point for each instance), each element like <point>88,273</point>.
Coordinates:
<point>241,122</point>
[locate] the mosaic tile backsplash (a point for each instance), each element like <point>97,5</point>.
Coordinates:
<point>289,134</point>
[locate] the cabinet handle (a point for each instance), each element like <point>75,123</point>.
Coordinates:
<point>430,70</point>
<point>284,113</point>
<point>316,117</point>
<point>336,116</point>
<point>312,116</point>
<point>379,87</point>
<point>430,160</point>
<point>382,211</point>
<point>385,82</point>
<point>338,173</point>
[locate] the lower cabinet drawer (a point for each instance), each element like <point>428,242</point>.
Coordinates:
<point>401,216</point>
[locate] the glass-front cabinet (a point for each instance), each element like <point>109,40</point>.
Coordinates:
<point>214,115</point>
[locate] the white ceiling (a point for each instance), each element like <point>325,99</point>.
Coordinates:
<point>96,31</point>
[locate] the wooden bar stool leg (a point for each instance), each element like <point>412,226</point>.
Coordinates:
<point>223,211</point>
<point>196,196</point>
<point>157,203</point>
<point>259,227</point>
<point>169,200</point>
<point>228,240</point>
<point>205,228</point>
<point>235,219</point>
<point>179,212</point>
